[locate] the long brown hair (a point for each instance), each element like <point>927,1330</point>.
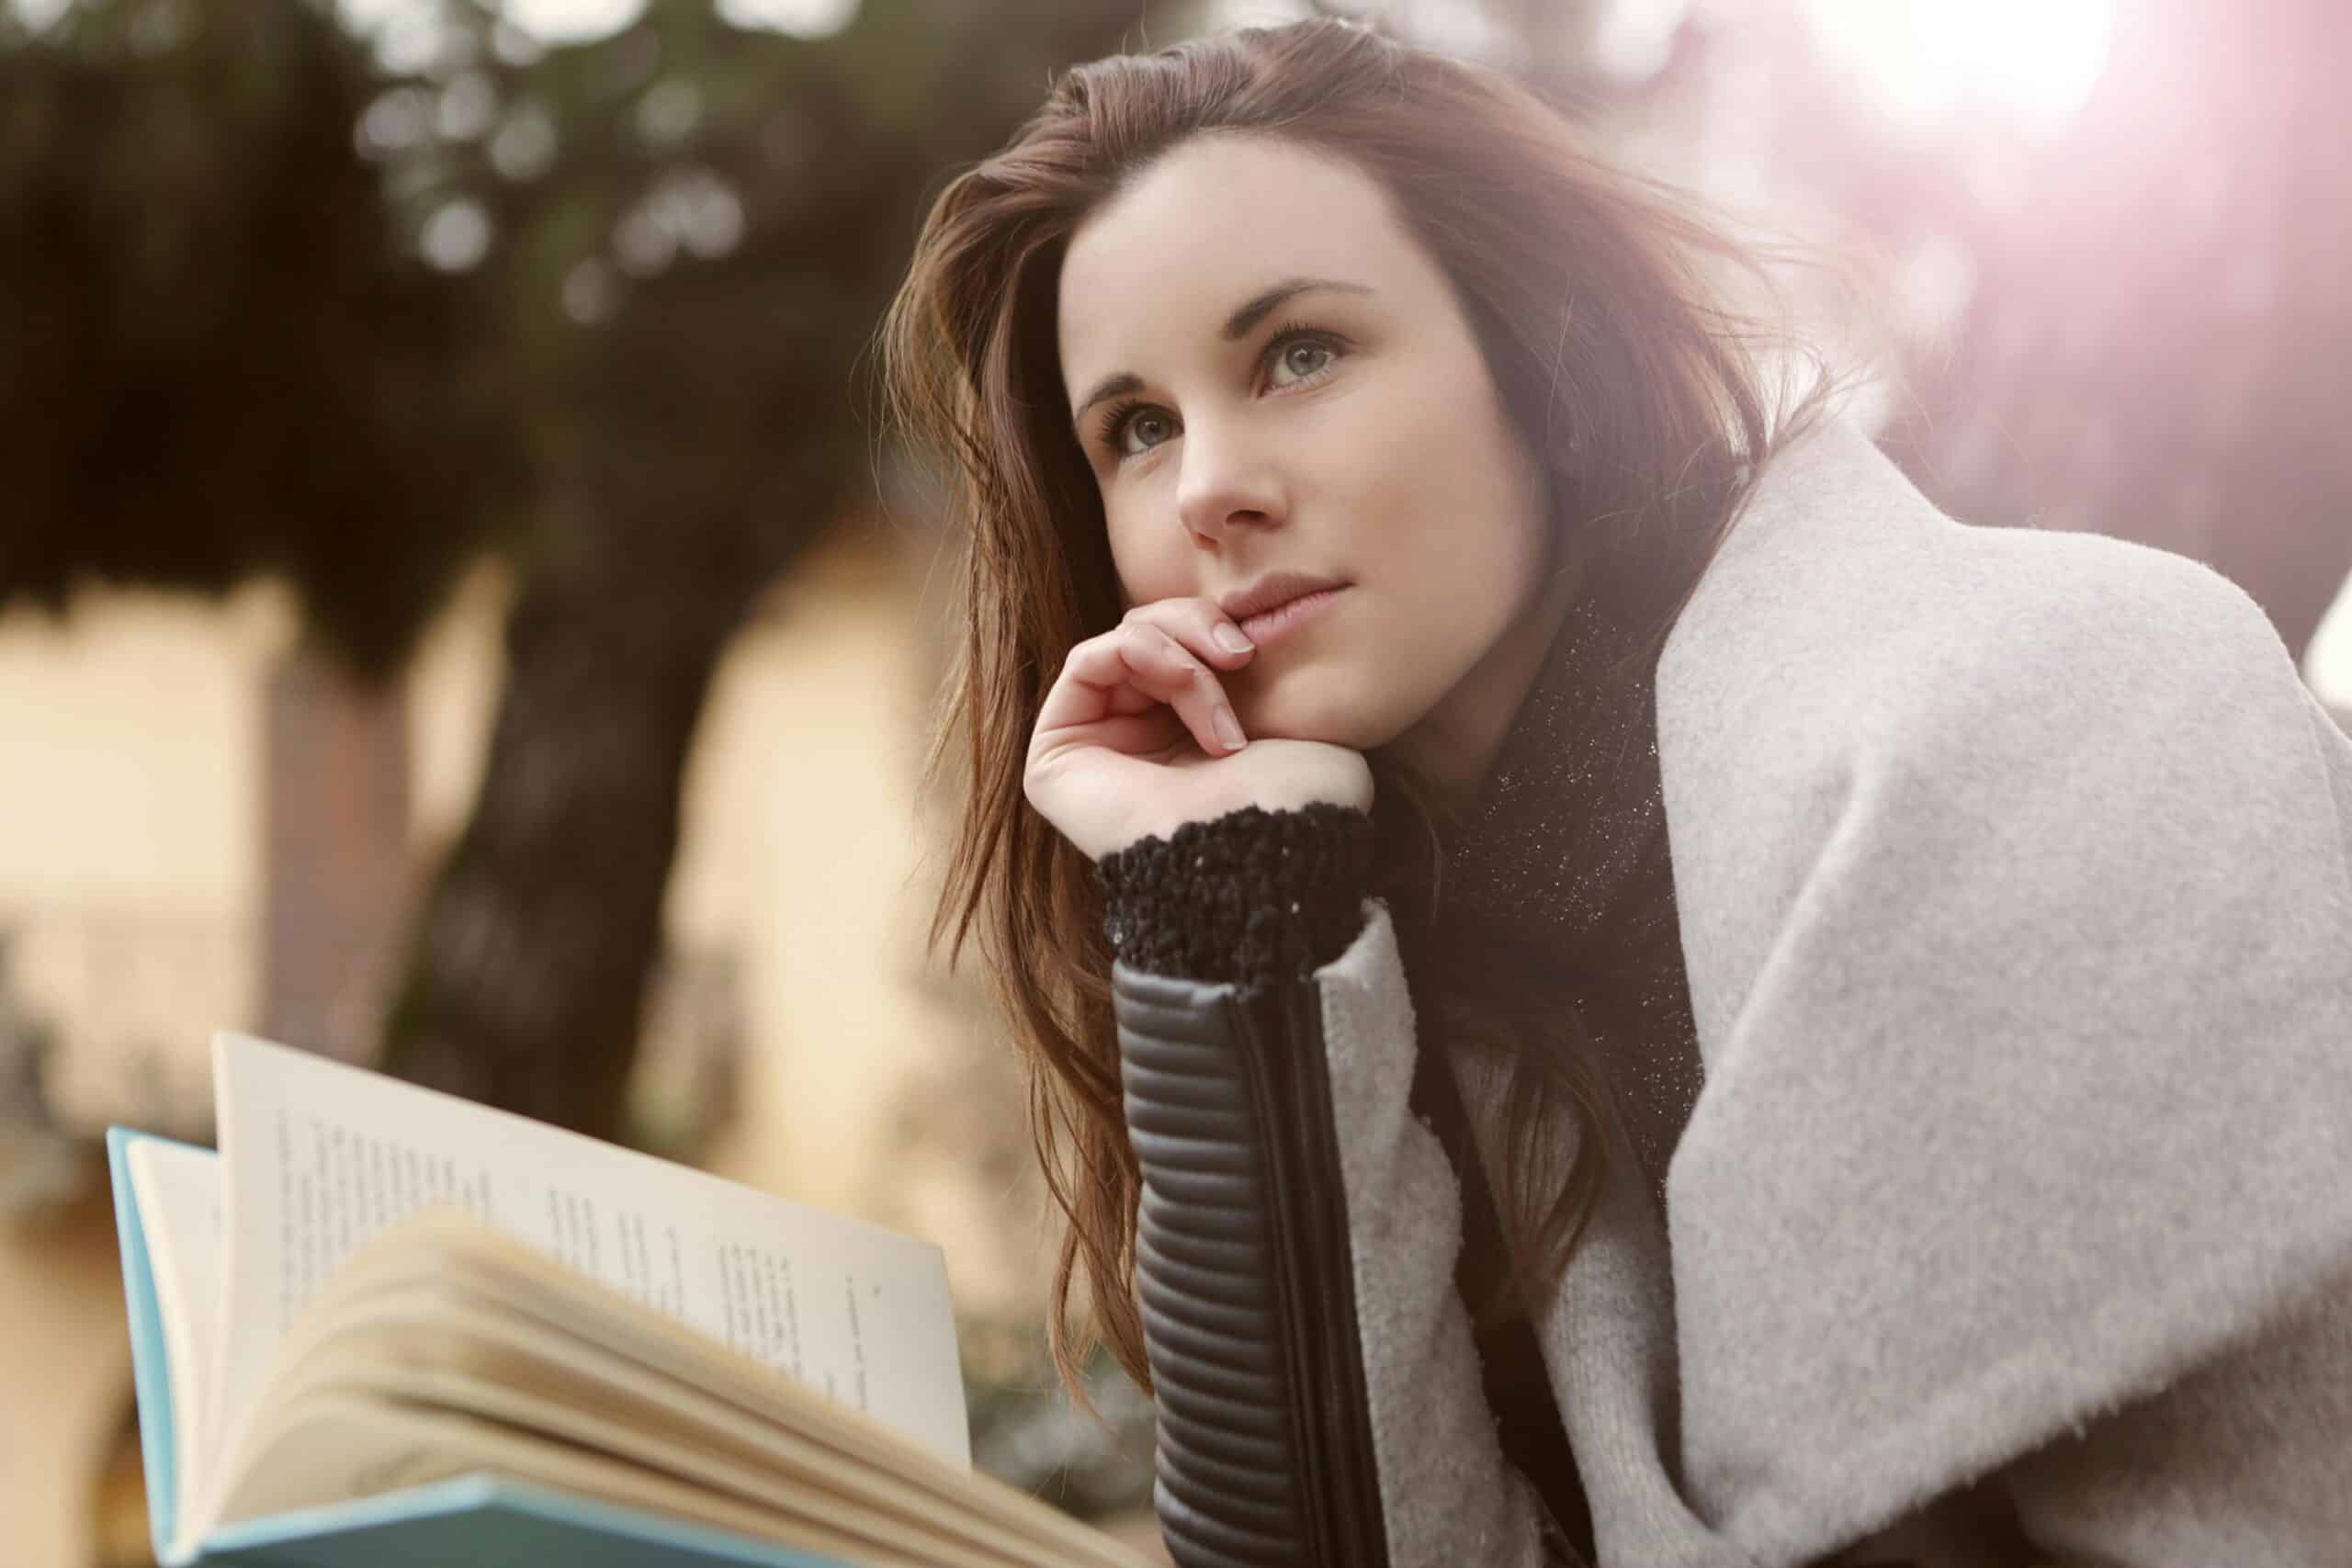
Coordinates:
<point>1590,293</point>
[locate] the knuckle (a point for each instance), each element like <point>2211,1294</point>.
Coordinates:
<point>1160,642</point>
<point>1160,614</point>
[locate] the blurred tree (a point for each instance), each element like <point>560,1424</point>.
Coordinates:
<point>694,227</point>
<point>267,304</point>
<point>215,360</point>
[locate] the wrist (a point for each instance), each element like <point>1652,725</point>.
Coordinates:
<point>1251,896</point>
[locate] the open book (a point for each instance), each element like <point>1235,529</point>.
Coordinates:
<point>383,1324</point>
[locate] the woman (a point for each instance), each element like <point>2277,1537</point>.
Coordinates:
<point>1605,983</point>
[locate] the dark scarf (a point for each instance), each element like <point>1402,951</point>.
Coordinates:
<point>1560,868</point>
<point>1558,875</point>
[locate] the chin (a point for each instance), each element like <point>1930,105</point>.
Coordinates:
<point>1314,703</point>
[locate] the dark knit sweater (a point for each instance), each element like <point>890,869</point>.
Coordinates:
<point>1559,871</point>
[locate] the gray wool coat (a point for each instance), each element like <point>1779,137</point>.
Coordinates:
<point>2017,908</point>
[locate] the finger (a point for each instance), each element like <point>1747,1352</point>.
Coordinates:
<point>1130,668</point>
<point>1195,693</point>
<point>1208,633</point>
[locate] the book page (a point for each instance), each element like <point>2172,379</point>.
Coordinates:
<point>339,1445</point>
<point>320,1157</point>
<point>179,1189</point>
<point>441,1295</point>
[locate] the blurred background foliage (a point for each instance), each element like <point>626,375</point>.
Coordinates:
<point>597,306</point>
<point>221,357</point>
<point>351,298</point>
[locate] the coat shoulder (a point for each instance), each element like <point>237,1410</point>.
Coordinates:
<point>1987,845</point>
<point>1844,609</point>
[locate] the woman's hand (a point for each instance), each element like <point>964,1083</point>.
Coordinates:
<point>1136,738</point>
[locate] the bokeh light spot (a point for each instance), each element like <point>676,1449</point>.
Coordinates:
<point>795,19</point>
<point>456,237</point>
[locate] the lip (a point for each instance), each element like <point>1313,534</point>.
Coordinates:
<point>1272,591</point>
<point>1268,626</point>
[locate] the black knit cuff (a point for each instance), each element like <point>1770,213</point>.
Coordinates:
<point>1252,897</point>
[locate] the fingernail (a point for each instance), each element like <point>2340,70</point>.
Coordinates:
<point>1232,638</point>
<point>1229,729</point>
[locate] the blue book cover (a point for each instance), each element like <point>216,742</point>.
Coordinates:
<point>479,1519</point>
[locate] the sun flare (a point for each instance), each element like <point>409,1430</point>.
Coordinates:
<point>1922,59</point>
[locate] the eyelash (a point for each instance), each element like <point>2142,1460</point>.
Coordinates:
<point>1114,419</point>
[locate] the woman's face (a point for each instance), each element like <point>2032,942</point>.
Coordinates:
<point>1303,394</point>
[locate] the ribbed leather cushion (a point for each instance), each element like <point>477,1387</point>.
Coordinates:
<point>1227,1489</point>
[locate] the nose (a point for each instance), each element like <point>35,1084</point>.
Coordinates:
<point>1224,484</point>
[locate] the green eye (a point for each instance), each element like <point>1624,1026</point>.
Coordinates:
<point>1289,360</point>
<point>1122,418</point>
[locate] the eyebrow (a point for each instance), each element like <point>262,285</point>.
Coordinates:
<point>1237,326</point>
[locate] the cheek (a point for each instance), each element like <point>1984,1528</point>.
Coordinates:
<point>1346,696</point>
<point>1462,532</point>
<point>1493,498</point>
<point>1142,571</point>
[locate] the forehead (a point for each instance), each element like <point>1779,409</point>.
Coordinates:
<point>1210,224</point>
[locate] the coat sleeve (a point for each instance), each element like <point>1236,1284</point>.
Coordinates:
<point>2021,950</point>
<point>1318,1389</point>
<point>2243,1458</point>
<point>2242,1461</point>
